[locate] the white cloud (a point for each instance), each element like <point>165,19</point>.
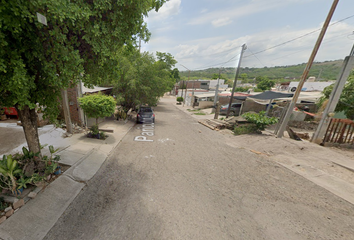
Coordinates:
<point>212,52</point>
<point>221,22</point>
<point>238,11</point>
<point>170,8</point>
<point>187,51</point>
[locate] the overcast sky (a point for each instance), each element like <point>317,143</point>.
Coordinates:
<point>209,33</point>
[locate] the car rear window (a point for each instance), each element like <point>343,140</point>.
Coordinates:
<point>145,110</point>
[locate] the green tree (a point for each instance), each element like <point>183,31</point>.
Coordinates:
<point>346,99</point>
<point>175,74</point>
<point>79,42</point>
<point>98,106</point>
<point>265,84</point>
<point>140,79</point>
<point>244,76</point>
<point>215,76</point>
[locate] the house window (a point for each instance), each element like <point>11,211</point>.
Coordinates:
<point>204,84</point>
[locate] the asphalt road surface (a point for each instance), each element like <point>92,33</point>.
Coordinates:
<point>188,184</point>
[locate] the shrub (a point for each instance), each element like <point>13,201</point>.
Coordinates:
<point>258,90</point>
<point>245,129</point>
<point>259,119</point>
<point>98,105</point>
<point>179,99</point>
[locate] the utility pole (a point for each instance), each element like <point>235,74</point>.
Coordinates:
<point>244,47</point>
<point>217,90</point>
<point>306,71</point>
<point>185,94</point>
<point>333,100</point>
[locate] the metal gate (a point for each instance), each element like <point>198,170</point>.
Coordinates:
<point>340,131</point>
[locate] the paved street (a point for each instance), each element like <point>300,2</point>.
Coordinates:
<point>188,184</point>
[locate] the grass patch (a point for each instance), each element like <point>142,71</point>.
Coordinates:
<point>199,113</point>
<point>245,129</point>
<point>193,110</point>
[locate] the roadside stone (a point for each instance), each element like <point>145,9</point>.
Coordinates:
<point>18,204</point>
<point>32,195</point>
<point>26,199</point>
<point>10,199</point>
<point>2,219</point>
<point>8,209</point>
<point>9,213</point>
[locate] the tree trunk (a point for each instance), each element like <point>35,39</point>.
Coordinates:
<point>64,96</point>
<point>28,119</point>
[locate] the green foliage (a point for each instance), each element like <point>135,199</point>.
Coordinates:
<point>257,90</point>
<point>175,74</point>
<point>95,133</point>
<point>179,99</point>
<point>259,119</point>
<point>245,129</point>
<point>98,105</point>
<point>141,79</point>
<point>346,100</point>
<point>9,170</point>
<point>94,130</point>
<point>79,43</point>
<point>241,89</point>
<point>264,83</point>
<point>326,70</point>
<point>3,204</point>
<point>13,169</point>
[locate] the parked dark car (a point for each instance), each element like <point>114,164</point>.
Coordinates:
<point>234,110</point>
<point>145,115</point>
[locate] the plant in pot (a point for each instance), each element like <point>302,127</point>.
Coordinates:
<point>179,100</point>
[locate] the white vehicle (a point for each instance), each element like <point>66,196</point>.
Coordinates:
<point>309,86</point>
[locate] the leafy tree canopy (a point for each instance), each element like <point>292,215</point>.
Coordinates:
<point>140,78</point>
<point>79,42</point>
<point>346,100</point>
<point>36,61</point>
<point>98,105</point>
<point>265,83</point>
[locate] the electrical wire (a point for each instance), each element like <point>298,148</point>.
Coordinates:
<point>267,49</point>
<point>294,39</point>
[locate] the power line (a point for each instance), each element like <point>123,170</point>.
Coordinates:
<point>267,49</point>
<point>294,39</point>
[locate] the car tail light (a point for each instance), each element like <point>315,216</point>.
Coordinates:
<point>153,114</point>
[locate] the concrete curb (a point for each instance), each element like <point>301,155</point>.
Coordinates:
<point>35,219</point>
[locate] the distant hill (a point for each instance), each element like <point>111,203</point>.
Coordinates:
<point>327,70</point>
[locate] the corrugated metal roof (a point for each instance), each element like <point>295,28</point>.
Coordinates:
<point>202,95</point>
<point>94,89</point>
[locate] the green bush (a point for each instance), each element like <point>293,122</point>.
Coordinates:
<point>245,129</point>
<point>260,120</point>
<point>257,90</point>
<point>179,99</point>
<point>241,89</point>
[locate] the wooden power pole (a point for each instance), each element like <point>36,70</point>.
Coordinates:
<point>306,71</point>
